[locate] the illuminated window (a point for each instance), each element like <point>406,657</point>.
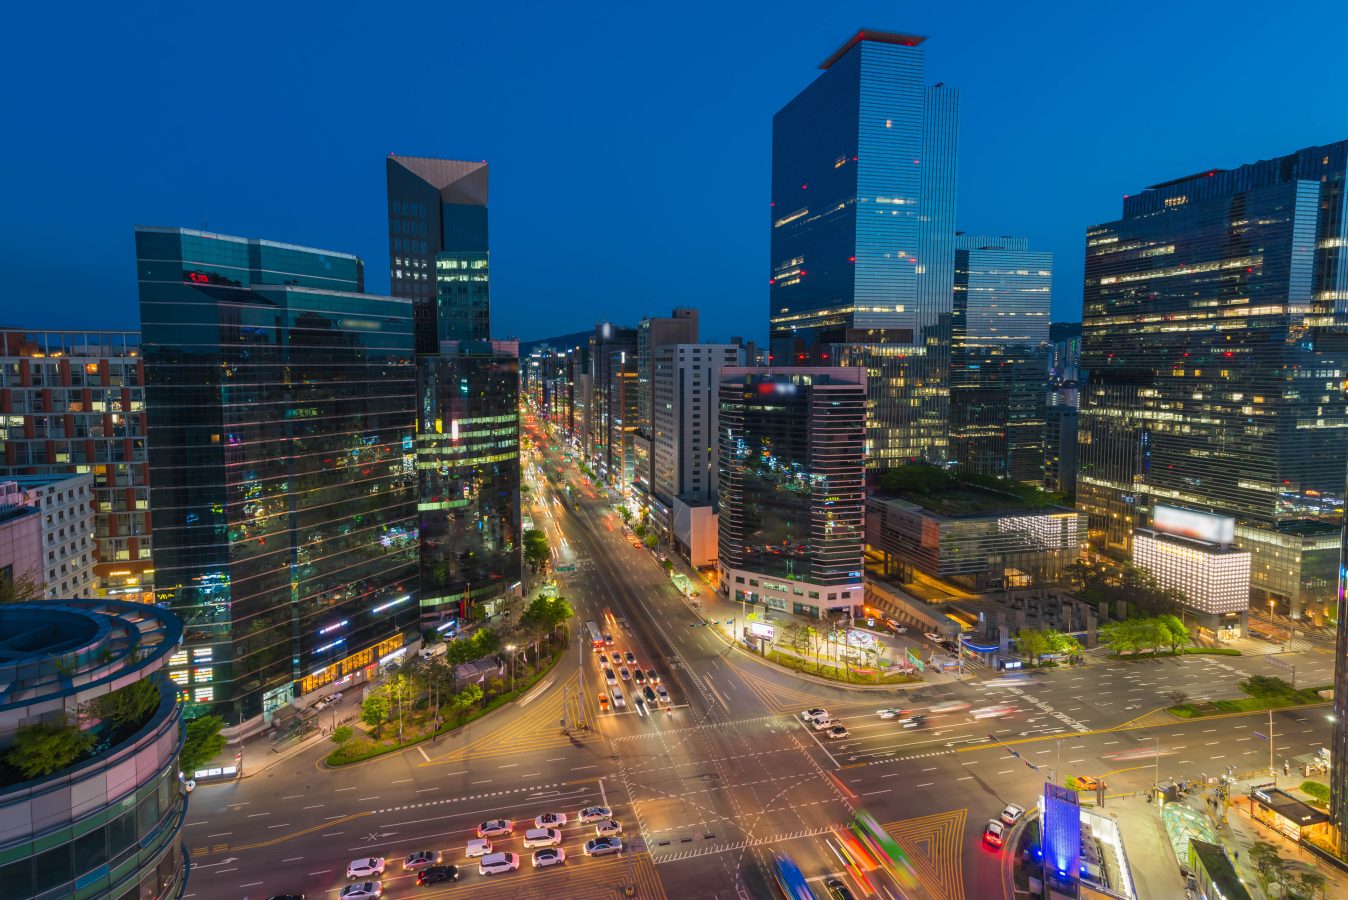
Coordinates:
<point>205,695</point>
<point>205,673</point>
<point>179,676</point>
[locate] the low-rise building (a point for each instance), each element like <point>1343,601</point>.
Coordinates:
<point>66,528</point>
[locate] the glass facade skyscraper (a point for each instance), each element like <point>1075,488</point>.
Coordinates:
<point>790,483</point>
<point>999,357</point>
<point>1214,341</point>
<point>280,402</point>
<point>862,236</point>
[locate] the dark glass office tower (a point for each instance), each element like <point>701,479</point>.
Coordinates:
<point>280,404</point>
<point>437,224</point>
<point>790,482</point>
<point>613,349</point>
<point>1213,337</point>
<point>862,236</point>
<point>999,357</point>
<point>468,463</point>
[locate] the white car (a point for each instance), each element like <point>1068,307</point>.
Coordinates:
<point>889,713</point>
<point>825,724</point>
<point>549,856</point>
<point>362,890</point>
<point>541,837</point>
<point>550,820</point>
<point>496,863</point>
<point>1011,815</point>
<point>364,868</point>
<point>933,637</point>
<point>608,828</point>
<point>591,814</point>
<point>991,712</point>
<point>810,715</point>
<point>837,732</point>
<point>495,828</point>
<point>662,693</point>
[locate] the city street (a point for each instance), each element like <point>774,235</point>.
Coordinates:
<point>709,787</point>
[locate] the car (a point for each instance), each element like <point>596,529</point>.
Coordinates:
<point>638,676</point>
<point>496,863</point>
<point>652,676</point>
<point>364,868</point>
<point>662,693</point>
<point>592,814</point>
<point>477,847</point>
<point>608,639</point>
<point>608,828</point>
<point>825,724</point>
<point>949,707</point>
<point>838,890</point>
<point>495,828</point>
<point>603,846</point>
<point>603,702</point>
<point>995,833</point>
<point>1011,815</point>
<point>990,712</point>
<point>603,660</point>
<point>437,875</point>
<point>550,820</point>
<point>541,837</point>
<point>626,675</point>
<point>1089,783</point>
<point>837,732</point>
<point>649,693</point>
<point>618,701</point>
<point>933,637</point>
<point>630,657</point>
<point>810,715</point>
<point>549,856</point>
<point>422,859</point>
<point>286,897</point>
<point>889,713</point>
<point>362,890</point>
<point>610,677</point>
<point>913,721</point>
<point>321,704</point>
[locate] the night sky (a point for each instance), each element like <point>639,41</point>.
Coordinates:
<point>629,143</point>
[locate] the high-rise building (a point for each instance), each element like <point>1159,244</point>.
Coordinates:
<point>281,403</point>
<point>73,402</point>
<point>1060,449</point>
<point>437,229</point>
<point>468,464</point>
<point>612,349</point>
<point>686,382</point>
<point>1338,748</point>
<point>863,236</point>
<point>999,349</point>
<point>652,333</point>
<point>1214,345</point>
<point>67,529</point>
<point>791,486</point>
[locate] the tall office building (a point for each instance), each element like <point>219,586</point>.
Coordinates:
<point>74,402</point>
<point>1214,344</point>
<point>863,236</point>
<point>437,230</point>
<point>468,464</point>
<point>613,349</point>
<point>281,402</point>
<point>791,484</point>
<point>1338,748</point>
<point>999,349</point>
<point>687,379</point>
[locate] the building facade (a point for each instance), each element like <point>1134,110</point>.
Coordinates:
<point>66,505</point>
<point>613,349</point>
<point>791,485</point>
<point>1213,338</point>
<point>21,553</point>
<point>1195,553</point>
<point>999,357</point>
<point>685,417</point>
<point>281,405</point>
<point>110,825</point>
<point>73,402</point>
<point>862,231</point>
<point>1060,449</point>
<point>437,232</point>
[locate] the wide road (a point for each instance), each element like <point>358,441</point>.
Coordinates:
<point>709,787</point>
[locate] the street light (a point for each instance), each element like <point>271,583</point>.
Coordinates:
<point>510,648</point>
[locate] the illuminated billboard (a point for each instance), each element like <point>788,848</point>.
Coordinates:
<point>1191,524</point>
<point>762,630</point>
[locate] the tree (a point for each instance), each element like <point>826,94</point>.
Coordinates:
<point>1033,643</point>
<point>402,688</point>
<point>1177,633</point>
<point>1178,697</point>
<point>467,698</point>
<point>203,741</point>
<point>536,549</point>
<point>375,710</point>
<point>1310,884</point>
<point>130,705</point>
<point>1061,642</point>
<point>668,566</point>
<point>1267,862</point>
<point>650,540</point>
<point>46,748</point>
<point>18,588</point>
<point>1266,686</point>
<point>341,735</point>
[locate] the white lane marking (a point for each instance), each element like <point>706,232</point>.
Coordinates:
<point>423,754</point>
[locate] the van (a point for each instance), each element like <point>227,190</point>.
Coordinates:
<point>496,863</point>
<point>478,847</point>
<point>541,837</point>
<point>618,702</point>
<point>825,723</point>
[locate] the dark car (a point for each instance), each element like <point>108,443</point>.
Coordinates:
<point>437,875</point>
<point>837,890</point>
<point>650,694</point>
<point>286,897</point>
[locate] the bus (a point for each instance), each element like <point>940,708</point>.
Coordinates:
<point>596,637</point>
<point>885,849</point>
<point>789,879</point>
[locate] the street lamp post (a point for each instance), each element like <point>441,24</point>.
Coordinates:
<point>510,648</point>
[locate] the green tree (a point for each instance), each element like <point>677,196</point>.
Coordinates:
<point>375,710</point>
<point>640,530</point>
<point>201,743</point>
<point>1310,884</point>
<point>1266,686</point>
<point>650,540</point>
<point>536,549</point>
<point>18,588</point>
<point>1061,642</point>
<point>46,748</point>
<point>130,705</point>
<point>668,566</point>
<point>402,689</point>
<point>341,735</point>
<point>1033,643</point>
<point>466,699</point>
<point>1268,863</point>
<point>1177,633</point>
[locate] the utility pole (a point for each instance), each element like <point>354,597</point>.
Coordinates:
<point>1271,771</point>
<point>1156,768</point>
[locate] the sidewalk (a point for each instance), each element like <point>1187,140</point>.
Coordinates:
<point>1241,832</point>
<point>1151,858</point>
<point>261,752</point>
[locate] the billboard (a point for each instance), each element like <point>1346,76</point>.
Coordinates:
<point>762,630</point>
<point>1192,524</point>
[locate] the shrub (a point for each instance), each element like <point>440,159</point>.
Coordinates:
<point>43,749</point>
<point>1317,791</point>
<point>341,735</point>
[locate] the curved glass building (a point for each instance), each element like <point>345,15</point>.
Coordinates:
<point>110,824</point>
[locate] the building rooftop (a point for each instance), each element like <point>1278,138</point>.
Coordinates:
<point>879,37</point>
<point>964,500</point>
<point>1180,540</point>
<point>1289,807</point>
<point>1219,869</point>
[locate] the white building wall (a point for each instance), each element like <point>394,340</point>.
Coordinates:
<point>684,418</point>
<point>1215,580</point>
<point>67,530</point>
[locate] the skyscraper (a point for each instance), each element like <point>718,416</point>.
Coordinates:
<point>613,348</point>
<point>1213,338</point>
<point>687,381</point>
<point>437,225</point>
<point>862,236</point>
<point>281,402</point>
<point>791,487</point>
<point>999,350</point>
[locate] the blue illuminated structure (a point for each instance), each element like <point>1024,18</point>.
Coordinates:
<point>1060,813</point>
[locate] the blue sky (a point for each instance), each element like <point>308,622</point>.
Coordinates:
<point>629,142</point>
